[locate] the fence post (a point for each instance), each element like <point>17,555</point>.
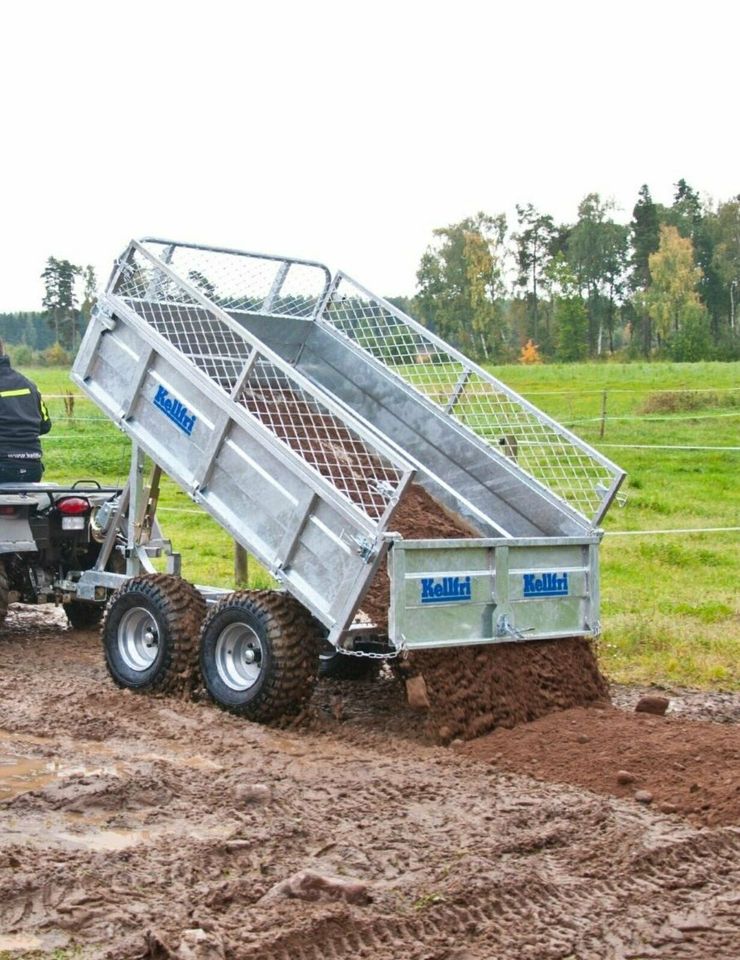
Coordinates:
<point>241,565</point>
<point>603,416</point>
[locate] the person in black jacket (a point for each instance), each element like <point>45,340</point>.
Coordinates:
<point>23,419</point>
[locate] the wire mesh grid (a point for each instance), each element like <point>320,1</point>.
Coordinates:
<point>247,282</point>
<point>324,441</point>
<point>295,417</point>
<point>206,340</point>
<point>475,400</point>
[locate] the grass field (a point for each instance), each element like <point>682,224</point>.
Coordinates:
<point>669,601</point>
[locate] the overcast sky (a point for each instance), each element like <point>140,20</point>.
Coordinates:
<point>345,132</point>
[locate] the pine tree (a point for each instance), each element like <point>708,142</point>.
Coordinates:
<point>60,299</point>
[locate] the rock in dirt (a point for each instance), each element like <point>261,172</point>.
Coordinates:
<point>309,885</point>
<point>253,794</point>
<point>643,796</point>
<point>157,947</point>
<point>416,693</point>
<point>196,944</point>
<point>654,705</point>
<point>625,777</point>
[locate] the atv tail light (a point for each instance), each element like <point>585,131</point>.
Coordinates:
<point>6,511</point>
<point>74,511</point>
<point>73,506</point>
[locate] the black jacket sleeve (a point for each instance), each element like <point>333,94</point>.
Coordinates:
<point>45,425</point>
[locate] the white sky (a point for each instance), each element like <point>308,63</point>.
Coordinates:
<point>345,132</point>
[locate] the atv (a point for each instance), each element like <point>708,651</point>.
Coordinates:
<point>49,535</point>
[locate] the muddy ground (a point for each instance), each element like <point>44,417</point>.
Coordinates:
<point>135,827</point>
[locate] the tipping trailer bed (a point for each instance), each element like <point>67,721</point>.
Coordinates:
<point>297,408</point>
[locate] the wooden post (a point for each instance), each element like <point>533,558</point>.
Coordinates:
<point>603,416</point>
<point>241,565</point>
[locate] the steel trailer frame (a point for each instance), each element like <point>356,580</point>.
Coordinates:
<point>301,407</point>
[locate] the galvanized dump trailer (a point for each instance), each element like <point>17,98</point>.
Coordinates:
<point>297,408</point>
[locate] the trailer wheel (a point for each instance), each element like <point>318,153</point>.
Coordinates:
<point>150,633</point>
<point>258,654</point>
<point>339,666</point>
<point>4,591</point>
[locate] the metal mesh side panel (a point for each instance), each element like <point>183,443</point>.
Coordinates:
<point>472,397</point>
<point>247,282</point>
<point>322,440</point>
<point>295,417</point>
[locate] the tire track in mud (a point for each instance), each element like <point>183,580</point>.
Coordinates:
<point>493,918</point>
<point>462,861</point>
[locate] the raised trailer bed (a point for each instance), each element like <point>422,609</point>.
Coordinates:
<point>302,412</point>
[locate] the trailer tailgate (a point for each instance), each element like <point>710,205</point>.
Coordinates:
<point>461,592</point>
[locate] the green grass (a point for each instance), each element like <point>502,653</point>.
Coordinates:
<point>669,602</point>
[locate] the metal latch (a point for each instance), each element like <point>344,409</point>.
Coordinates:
<point>103,314</point>
<point>365,547</point>
<point>505,628</point>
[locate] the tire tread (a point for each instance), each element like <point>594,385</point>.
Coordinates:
<point>293,638</point>
<point>183,609</point>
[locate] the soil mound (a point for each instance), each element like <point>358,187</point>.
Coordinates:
<point>476,689</point>
<point>686,767</point>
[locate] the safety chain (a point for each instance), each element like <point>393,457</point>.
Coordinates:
<point>371,654</point>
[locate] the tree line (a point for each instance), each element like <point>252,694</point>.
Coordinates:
<point>52,335</point>
<point>664,285</point>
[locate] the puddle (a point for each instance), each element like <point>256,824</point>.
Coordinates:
<point>101,841</point>
<point>8,737</point>
<point>23,774</point>
<point>19,775</point>
<point>19,941</point>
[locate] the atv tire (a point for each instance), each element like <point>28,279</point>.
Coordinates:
<point>150,633</point>
<point>4,592</point>
<point>258,651</point>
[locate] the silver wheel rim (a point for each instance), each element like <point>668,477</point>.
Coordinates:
<point>138,639</point>
<point>238,656</point>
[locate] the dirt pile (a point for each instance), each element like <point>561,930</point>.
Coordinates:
<point>686,767</point>
<point>473,690</point>
<point>418,517</point>
<point>319,438</point>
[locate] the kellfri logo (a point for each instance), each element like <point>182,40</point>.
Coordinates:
<point>545,585</point>
<point>445,589</point>
<point>175,410</point>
